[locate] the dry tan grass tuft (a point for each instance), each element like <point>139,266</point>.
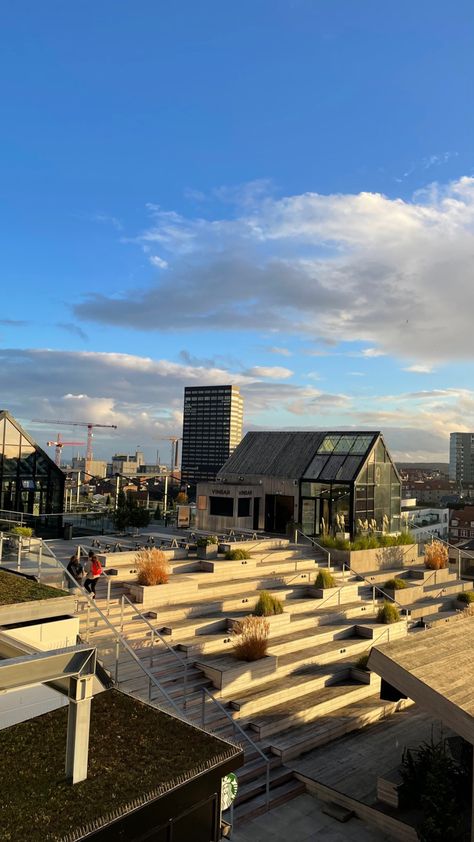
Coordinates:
<point>251,641</point>
<point>152,566</point>
<point>436,556</point>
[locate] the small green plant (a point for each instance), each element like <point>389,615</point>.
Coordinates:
<point>23,531</point>
<point>395,584</point>
<point>466,596</point>
<point>388,613</point>
<point>251,638</point>
<point>206,540</point>
<point>234,555</point>
<point>324,580</point>
<point>267,605</point>
<point>361,663</point>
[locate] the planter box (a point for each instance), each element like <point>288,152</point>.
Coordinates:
<point>231,674</point>
<point>208,552</point>
<point>363,676</point>
<point>404,596</point>
<point>146,594</point>
<point>375,631</point>
<point>381,558</point>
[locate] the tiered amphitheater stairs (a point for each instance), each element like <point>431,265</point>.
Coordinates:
<point>305,693</point>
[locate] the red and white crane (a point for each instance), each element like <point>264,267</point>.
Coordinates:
<point>90,434</point>
<point>59,444</point>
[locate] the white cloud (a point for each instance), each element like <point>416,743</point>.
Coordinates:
<point>275,372</point>
<point>333,268</point>
<point>372,352</point>
<point>419,369</point>
<point>157,261</point>
<point>276,349</point>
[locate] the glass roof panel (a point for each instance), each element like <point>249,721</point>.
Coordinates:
<point>314,468</point>
<point>361,444</point>
<point>332,466</point>
<point>344,444</point>
<point>350,468</point>
<point>328,444</point>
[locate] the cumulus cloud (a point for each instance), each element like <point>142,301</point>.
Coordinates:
<point>334,268</point>
<point>275,372</point>
<point>419,368</point>
<point>277,349</point>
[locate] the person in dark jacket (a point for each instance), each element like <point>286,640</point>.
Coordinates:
<point>75,569</point>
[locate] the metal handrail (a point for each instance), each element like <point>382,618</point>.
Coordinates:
<point>314,543</point>
<point>205,692</point>
<point>374,588</point>
<point>154,632</point>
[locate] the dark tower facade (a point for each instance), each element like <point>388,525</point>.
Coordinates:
<point>212,429</point>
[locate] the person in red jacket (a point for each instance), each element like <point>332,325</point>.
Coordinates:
<point>94,572</point>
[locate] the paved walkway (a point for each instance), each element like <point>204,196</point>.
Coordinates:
<point>302,820</point>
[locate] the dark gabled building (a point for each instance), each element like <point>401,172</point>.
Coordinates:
<point>30,482</point>
<point>328,482</point>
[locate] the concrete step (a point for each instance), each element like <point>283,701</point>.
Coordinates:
<point>310,707</point>
<point>328,653</point>
<point>278,795</point>
<point>288,687</point>
<point>294,742</point>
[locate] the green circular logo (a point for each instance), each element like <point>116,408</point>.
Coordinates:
<point>229,789</point>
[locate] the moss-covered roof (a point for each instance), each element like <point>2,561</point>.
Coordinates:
<point>135,752</point>
<point>18,589</point>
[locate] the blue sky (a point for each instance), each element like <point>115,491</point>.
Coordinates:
<point>276,193</point>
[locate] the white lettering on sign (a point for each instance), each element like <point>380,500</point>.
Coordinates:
<point>220,492</point>
<point>245,492</point>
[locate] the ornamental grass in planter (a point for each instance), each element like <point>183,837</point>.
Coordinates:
<point>206,541</point>
<point>152,567</point>
<point>235,555</point>
<point>251,638</point>
<point>325,580</point>
<point>466,596</point>
<point>267,605</point>
<point>436,556</point>
<point>395,584</point>
<point>361,663</point>
<point>388,613</point>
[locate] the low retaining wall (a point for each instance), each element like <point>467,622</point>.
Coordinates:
<point>381,558</point>
<point>129,556</point>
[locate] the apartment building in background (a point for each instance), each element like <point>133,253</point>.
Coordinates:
<point>461,458</point>
<point>212,429</point>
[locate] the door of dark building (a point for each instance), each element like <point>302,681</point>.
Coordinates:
<point>279,510</point>
<point>256,512</point>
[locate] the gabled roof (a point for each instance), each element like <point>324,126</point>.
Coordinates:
<point>320,454</point>
<point>5,414</point>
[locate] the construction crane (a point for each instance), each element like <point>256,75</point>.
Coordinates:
<point>87,424</point>
<point>59,444</point>
<point>174,449</point>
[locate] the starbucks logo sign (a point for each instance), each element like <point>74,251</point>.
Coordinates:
<point>228,790</point>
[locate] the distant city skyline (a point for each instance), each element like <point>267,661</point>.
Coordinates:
<point>278,196</point>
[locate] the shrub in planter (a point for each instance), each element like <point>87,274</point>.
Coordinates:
<point>206,540</point>
<point>395,584</point>
<point>466,596</point>
<point>388,613</point>
<point>268,605</point>
<point>251,638</point>
<point>436,556</point>
<point>361,663</point>
<point>22,531</point>
<point>324,580</point>
<point>152,567</point>
<point>234,555</point>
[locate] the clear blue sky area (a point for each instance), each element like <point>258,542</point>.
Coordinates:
<point>157,170</point>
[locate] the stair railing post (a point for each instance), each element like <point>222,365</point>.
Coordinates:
<point>1,546</point>
<point>185,686</point>
<point>109,588</point>
<point>88,619</point>
<point>373,597</point>
<point>152,645</point>
<point>18,558</point>
<point>40,559</point>
<point>117,655</point>
<point>329,560</point>
<point>267,786</point>
<point>459,564</point>
<point>122,606</point>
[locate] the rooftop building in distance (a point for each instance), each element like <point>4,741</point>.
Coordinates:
<point>124,463</point>
<point>212,429</point>
<point>461,458</point>
<point>329,482</point>
<point>30,482</point>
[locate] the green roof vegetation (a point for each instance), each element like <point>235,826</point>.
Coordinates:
<point>134,750</point>
<point>17,589</point>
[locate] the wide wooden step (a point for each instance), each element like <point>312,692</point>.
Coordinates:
<point>295,741</point>
<point>278,795</point>
<point>310,707</point>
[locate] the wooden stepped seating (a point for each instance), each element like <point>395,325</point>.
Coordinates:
<point>439,617</point>
<point>297,740</point>
<point>287,687</point>
<point>310,707</point>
